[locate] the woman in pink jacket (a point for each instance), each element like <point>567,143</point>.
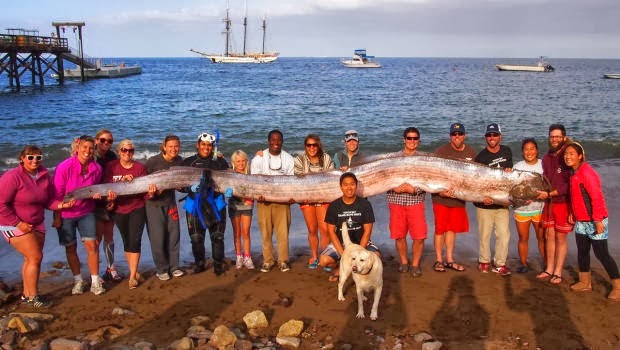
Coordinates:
<point>25,192</point>
<point>589,213</point>
<point>78,171</point>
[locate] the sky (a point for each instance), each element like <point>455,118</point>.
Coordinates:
<point>333,28</point>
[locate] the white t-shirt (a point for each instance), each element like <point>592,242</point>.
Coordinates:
<point>535,207</point>
<point>268,164</point>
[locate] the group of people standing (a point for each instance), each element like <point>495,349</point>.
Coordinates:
<point>575,199</point>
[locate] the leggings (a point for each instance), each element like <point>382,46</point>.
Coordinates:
<point>600,251</point>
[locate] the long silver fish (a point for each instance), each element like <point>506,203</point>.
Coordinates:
<point>470,181</point>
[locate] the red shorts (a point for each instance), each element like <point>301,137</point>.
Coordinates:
<point>407,218</point>
<point>556,215</point>
<point>452,219</point>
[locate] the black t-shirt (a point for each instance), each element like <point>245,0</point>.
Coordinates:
<point>356,215</point>
<point>501,159</point>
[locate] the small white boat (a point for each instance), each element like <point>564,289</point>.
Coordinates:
<point>102,71</point>
<point>542,66</point>
<point>361,60</point>
<point>612,75</point>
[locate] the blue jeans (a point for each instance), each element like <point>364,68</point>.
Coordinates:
<point>85,225</point>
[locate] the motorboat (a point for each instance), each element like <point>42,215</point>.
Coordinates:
<point>361,60</point>
<point>612,75</point>
<point>542,66</point>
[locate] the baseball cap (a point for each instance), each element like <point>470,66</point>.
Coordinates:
<point>493,128</point>
<point>457,127</point>
<point>351,135</point>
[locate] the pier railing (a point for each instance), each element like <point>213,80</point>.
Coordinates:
<point>28,43</point>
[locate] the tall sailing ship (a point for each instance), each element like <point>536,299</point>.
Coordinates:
<point>243,57</point>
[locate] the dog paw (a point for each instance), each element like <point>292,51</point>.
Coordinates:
<point>341,298</point>
<point>374,316</point>
<point>365,298</point>
<point>360,315</point>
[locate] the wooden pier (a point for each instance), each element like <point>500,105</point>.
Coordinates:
<point>24,53</point>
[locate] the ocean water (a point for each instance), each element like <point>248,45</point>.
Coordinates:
<point>186,96</point>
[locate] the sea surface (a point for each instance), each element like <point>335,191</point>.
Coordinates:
<point>186,96</point>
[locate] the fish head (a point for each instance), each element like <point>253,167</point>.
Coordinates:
<point>527,190</point>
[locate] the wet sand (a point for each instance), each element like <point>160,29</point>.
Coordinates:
<point>465,310</point>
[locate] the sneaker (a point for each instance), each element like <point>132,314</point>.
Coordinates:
<point>266,267</point>
<point>97,288</point>
<point>78,288</point>
<point>284,266</point>
<point>37,302</point>
<point>239,263</point>
<point>247,262</point>
<point>164,276</point>
<point>484,267</point>
<point>177,273</point>
<point>111,274</point>
<point>522,269</point>
<point>501,270</point>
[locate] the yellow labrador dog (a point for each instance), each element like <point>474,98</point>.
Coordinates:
<point>367,270</point>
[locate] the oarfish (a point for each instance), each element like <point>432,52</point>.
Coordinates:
<point>469,181</point>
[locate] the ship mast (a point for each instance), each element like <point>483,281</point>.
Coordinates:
<point>227,30</point>
<point>245,26</point>
<point>264,32</point>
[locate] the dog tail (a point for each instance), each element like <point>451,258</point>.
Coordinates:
<point>345,234</point>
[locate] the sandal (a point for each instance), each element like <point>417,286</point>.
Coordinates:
<point>543,275</point>
<point>555,279</point>
<point>333,278</point>
<point>416,271</point>
<point>454,266</point>
<point>403,268</point>
<point>438,266</point>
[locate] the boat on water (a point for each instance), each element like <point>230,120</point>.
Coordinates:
<point>228,56</point>
<point>612,75</point>
<point>542,66</point>
<point>361,60</point>
<point>102,70</point>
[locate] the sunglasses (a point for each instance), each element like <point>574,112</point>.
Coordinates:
<point>312,145</point>
<point>457,133</point>
<point>127,150</point>
<point>104,140</point>
<point>37,157</point>
<point>412,138</point>
<point>492,134</point>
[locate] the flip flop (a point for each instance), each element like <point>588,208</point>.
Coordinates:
<point>555,279</point>
<point>543,275</point>
<point>439,266</point>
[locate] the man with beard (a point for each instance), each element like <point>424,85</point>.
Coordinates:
<point>450,214</point>
<point>556,210</point>
<point>489,214</point>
